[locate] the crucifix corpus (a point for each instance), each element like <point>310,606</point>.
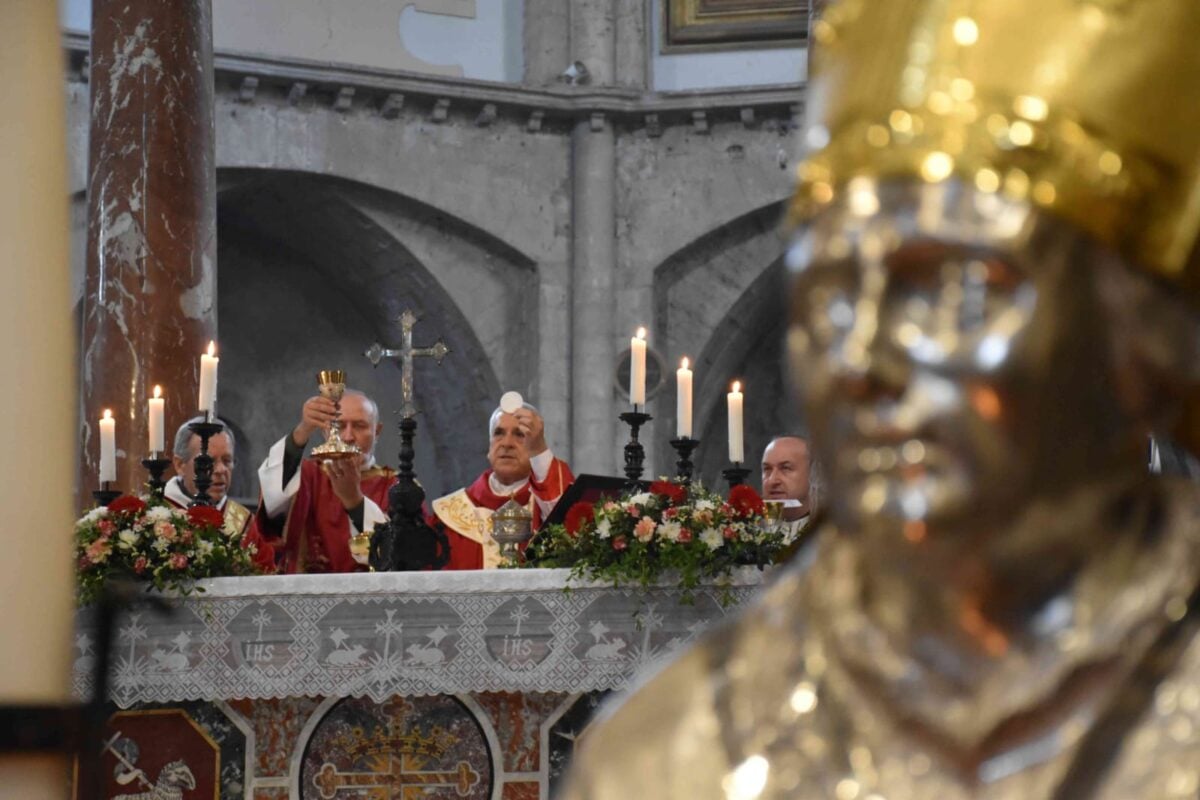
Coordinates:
<point>405,541</point>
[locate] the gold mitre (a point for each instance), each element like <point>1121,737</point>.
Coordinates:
<point>1087,108</point>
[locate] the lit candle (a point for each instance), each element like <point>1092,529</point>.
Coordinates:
<point>683,400</point>
<point>208,379</point>
<point>108,447</point>
<point>637,368</point>
<point>156,421</point>
<point>737,452</point>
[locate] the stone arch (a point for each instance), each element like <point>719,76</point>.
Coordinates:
<point>720,300</point>
<point>313,269</point>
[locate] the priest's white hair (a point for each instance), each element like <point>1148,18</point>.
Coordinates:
<point>183,436</point>
<point>495,418</point>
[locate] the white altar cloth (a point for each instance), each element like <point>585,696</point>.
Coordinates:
<point>411,633</point>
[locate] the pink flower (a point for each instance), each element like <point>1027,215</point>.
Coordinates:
<point>729,533</point>
<point>633,511</point>
<point>685,536</point>
<point>186,537</point>
<point>139,566</point>
<point>164,530</point>
<point>644,530</point>
<point>671,513</point>
<point>611,506</point>
<point>97,551</point>
<point>619,543</point>
<point>179,561</point>
<point>106,527</point>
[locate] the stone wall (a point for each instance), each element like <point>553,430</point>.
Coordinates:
<point>346,196</point>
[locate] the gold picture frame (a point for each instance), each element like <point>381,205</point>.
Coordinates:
<point>727,24</point>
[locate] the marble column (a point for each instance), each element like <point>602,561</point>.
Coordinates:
<point>150,301</point>
<point>37,360</point>
<point>594,435</point>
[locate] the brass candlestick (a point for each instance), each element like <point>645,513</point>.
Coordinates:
<point>332,385</point>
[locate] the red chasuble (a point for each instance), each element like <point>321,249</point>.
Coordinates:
<point>459,516</point>
<point>238,520</point>
<point>315,536</point>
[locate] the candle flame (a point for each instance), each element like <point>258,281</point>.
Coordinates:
<point>737,386</point>
<point>108,413</point>
<point>157,391</point>
<point>683,363</point>
<point>212,349</point>
<point>641,333</point>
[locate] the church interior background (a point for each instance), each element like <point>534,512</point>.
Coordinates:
<point>442,155</point>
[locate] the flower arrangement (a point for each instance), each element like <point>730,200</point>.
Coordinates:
<point>155,543</point>
<point>672,527</point>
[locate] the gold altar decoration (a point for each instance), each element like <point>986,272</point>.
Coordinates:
<point>512,526</point>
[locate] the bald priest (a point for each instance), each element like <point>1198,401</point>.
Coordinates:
<point>310,509</point>
<point>522,467</point>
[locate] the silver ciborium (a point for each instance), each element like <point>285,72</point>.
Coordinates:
<point>512,526</point>
<point>332,385</point>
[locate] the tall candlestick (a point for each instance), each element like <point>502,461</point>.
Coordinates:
<point>108,447</point>
<point>208,379</point>
<point>737,451</point>
<point>683,400</point>
<point>157,444</point>
<point>637,368</point>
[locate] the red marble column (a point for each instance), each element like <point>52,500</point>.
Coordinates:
<point>150,303</point>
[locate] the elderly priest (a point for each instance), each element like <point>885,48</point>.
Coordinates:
<point>522,467</point>
<point>311,509</point>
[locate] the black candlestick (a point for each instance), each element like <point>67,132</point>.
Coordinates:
<point>684,446</point>
<point>735,475</point>
<point>203,461</point>
<point>635,454</point>
<point>406,542</point>
<point>106,494</point>
<point>156,467</point>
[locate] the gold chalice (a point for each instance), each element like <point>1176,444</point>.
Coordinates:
<point>332,384</point>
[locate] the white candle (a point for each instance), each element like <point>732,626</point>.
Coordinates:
<point>637,368</point>
<point>208,379</point>
<point>683,400</point>
<point>156,421</point>
<point>108,447</point>
<point>737,452</point>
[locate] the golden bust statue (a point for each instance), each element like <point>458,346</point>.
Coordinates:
<point>996,298</point>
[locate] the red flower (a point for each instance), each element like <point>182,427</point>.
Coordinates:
<point>126,504</point>
<point>685,536</point>
<point>579,515</point>
<point>205,515</point>
<point>745,501</point>
<point>179,561</point>
<point>106,527</point>
<point>672,491</point>
<point>729,533</point>
<point>619,543</point>
<point>140,565</point>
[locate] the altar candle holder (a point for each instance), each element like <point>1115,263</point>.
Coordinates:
<point>204,462</point>
<point>635,454</point>
<point>106,494</point>
<point>684,447</point>
<point>736,474</point>
<point>156,467</point>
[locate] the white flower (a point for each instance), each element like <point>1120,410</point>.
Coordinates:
<point>100,512</point>
<point>158,514</point>
<point>204,548</point>
<point>127,539</point>
<point>670,531</point>
<point>603,529</point>
<point>704,505</point>
<point>712,538</point>
<point>641,498</point>
<point>160,545</point>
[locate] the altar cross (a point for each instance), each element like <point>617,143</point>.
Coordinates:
<point>405,355</point>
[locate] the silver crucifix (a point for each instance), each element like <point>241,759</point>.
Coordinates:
<point>406,354</point>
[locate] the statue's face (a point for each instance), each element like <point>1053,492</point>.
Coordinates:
<point>953,358</point>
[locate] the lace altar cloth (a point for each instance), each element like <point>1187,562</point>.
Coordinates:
<point>383,634</point>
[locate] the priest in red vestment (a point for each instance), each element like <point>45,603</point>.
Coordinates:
<point>522,467</point>
<point>178,491</point>
<point>310,509</point>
